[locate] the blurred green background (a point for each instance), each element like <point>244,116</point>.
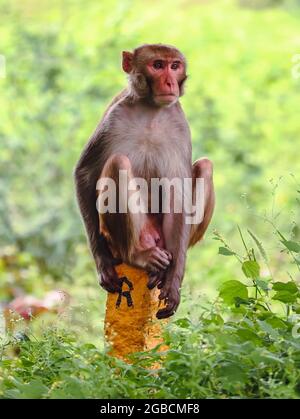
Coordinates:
<point>63,67</point>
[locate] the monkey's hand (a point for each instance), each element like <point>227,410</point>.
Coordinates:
<point>157,277</point>
<point>109,279</point>
<point>105,262</point>
<point>170,293</point>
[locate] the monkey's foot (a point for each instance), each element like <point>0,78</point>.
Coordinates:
<point>154,259</point>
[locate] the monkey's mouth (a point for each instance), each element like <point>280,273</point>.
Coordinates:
<point>166,97</point>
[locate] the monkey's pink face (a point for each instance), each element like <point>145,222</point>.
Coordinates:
<point>165,76</point>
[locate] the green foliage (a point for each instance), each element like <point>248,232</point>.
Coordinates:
<point>231,290</point>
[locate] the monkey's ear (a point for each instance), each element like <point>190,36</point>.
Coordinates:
<point>127,61</point>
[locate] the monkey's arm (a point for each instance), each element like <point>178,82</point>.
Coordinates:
<point>86,174</point>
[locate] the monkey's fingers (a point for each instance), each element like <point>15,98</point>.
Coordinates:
<point>162,257</point>
<point>155,280</point>
<point>160,285</point>
<point>165,254</point>
<point>169,254</point>
<point>158,264</point>
<point>167,311</point>
<point>110,281</point>
<point>163,294</point>
<point>106,286</point>
<point>152,281</point>
<point>151,269</point>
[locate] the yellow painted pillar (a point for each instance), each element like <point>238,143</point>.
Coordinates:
<point>130,321</point>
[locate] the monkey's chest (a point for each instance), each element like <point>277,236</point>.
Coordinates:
<point>156,149</point>
<point>156,157</point>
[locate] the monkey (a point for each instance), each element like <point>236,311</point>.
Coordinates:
<point>144,132</point>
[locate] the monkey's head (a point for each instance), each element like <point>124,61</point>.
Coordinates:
<point>156,73</point>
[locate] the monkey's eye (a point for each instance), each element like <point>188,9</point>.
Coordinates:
<point>175,66</point>
<point>158,64</point>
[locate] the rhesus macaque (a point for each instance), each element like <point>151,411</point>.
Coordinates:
<point>144,131</point>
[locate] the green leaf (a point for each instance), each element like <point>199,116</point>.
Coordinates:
<point>251,269</point>
<point>276,322</point>
<point>266,357</point>
<point>267,328</point>
<point>233,372</point>
<point>33,390</point>
<point>238,301</point>
<point>217,319</point>
<point>225,251</point>
<point>248,335</point>
<point>291,245</point>
<point>184,323</point>
<point>296,308</point>
<point>88,346</point>
<point>285,286</point>
<point>285,297</point>
<point>230,290</point>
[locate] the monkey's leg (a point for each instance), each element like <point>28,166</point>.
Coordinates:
<point>178,235</point>
<point>203,168</point>
<point>133,237</point>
